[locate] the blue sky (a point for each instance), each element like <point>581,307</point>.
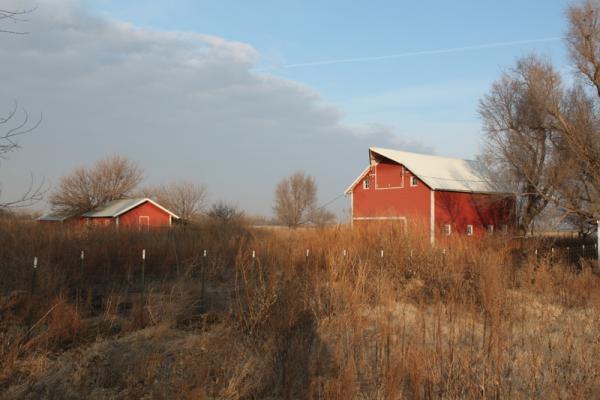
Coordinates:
<point>430,97</point>
<point>207,92</point>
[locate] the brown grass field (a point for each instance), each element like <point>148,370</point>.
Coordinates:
<point>464,319</point>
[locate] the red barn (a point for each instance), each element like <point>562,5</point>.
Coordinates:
<point>449,196</point>
<point>131,213</point>
<point>140,213</point>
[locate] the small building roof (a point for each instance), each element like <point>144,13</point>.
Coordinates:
<point>114,208</point>
<point>441,173</point>
<point>55,217</point>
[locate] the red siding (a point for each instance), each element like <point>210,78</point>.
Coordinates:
<point>390,194</point>
<point>480,210</point>
<point>156,216</point>
<point>387,197</point>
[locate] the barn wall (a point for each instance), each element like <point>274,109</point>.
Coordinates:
<point>157,216</point>
<point>462,209</point>
<point>390,195</point>
<point>83,221</point>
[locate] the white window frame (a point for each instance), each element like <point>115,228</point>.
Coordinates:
<point>366,183</point>
<point>470,230</point>
<point>490,229</point>
<point>447,229</point>
<point>413,181</point>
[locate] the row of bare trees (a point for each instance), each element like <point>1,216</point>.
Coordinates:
<point>542,136</point>
<point>116,177</point>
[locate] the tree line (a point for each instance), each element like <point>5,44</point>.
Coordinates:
<point>116,177</point>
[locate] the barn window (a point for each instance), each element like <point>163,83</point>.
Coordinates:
<point>366,183</point>
<point>469,230</point>
<point>447,229</point>
<point>413,181</point>
<point>490,229</point>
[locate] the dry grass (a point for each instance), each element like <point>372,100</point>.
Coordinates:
<point>463,320</point>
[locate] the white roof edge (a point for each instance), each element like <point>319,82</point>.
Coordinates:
<point>141,201</point>
<point>351,187</point>
<point>443,173</point>
<point>384,149</point>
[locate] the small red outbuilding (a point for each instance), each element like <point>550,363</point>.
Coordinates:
<point>139,213</point>
<point>447,195</point>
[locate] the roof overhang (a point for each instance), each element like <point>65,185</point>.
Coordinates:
<point>361,176</point>
<point>131,207</point>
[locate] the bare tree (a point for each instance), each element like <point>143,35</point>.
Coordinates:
<point>583,40</point>
<point>15,124</point>
<point>295,197</point>
<point>577,117</point>
<point>225,213</point>
<point>296,202</point>
<point>14,16</point>
<point>186,199</point>
<point>321,216</point>
<point>519,135</point>
<point>546,137</point>
<point>110,178</point>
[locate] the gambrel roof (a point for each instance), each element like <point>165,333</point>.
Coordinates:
<point>440,173</point>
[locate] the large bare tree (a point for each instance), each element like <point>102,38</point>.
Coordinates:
<point>546,137</point>
<point>186,199</point>
<point>110,178</point>
<point>577,117</point>
<point>296,202</point>
<point>519,135</point>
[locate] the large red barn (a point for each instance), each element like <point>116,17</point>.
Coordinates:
<point>447,195</point>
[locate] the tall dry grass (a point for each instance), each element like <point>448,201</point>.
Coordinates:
<point>463,319</point>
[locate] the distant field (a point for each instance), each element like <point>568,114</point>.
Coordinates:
<point>371,313</point>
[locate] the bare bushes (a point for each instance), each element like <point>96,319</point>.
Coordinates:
<point>312,313</point>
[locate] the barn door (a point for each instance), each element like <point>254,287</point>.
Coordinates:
<point>144,222</point>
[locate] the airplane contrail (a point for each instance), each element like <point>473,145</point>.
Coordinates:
<point>408,54</point>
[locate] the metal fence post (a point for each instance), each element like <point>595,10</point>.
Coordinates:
<point>80,283</point>
<point>144,270</point>
<point>203,266</point>
<point>35,265</point>
<point>30,315</point>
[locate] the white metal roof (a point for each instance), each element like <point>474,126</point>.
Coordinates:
<point>115,208</point>
<point>54,217</point>
<point>441,173</point>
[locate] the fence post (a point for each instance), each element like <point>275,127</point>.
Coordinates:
<point>202,280</point>
<point>30,315</point>
<point>144,270</point>
<point>80,283</point>
<point>35,265</point>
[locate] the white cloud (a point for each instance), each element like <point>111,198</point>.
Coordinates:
<point>184,105</point>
